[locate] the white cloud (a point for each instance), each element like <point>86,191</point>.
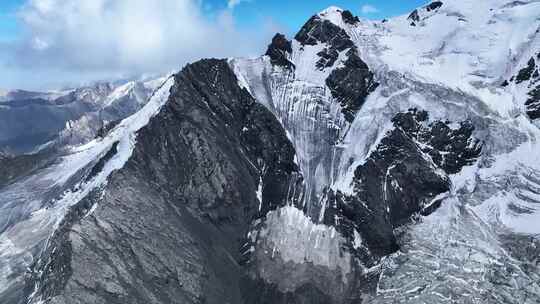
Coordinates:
<point>369,9</point>
<point>120,37</point>
<point>233,3</point>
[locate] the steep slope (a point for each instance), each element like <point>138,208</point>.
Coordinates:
<point>32,206</point>
<point>525,83</point>
<point>368,176</point>
<point>360,162</point>
<point>181,205</point>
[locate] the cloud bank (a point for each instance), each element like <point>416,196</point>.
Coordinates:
<point>95,38</point>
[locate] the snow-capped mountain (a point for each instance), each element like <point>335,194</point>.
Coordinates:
<point>447,59</point>
<point>32,119</point>
<point>359,162</point>
<point>6,96</point>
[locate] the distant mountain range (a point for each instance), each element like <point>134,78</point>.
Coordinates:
<point>32,119</point>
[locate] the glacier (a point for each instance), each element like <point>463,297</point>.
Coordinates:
<point>451,63</point>
<point>362,161</point>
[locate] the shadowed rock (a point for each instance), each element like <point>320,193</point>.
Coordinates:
<point>400,180</point>
<point>526,73</point>
<point>351,85</point>
<point>349,18</point>
<point>169,225</point>
<point>533,103</point>
<point>278,50</point>
<point>434,6</point>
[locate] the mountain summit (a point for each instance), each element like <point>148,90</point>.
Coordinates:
<point>359,161</point>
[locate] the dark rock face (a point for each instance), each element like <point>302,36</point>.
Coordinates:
<point>414,17</point>
<point>317,30</point>
<point>531,75</point>
<point>450,149</point>
<point>533,103</point>
<point>98,167</point>
<point>278,50</point>
<point>106,128</point>
<point>328,58</point>
<point>400,180</point>
<point>349,18</point>
<point>169,225</point>
<point>260,292</point>
<point>351,85</point>
<point>434,6</point>
<point>526,73</point>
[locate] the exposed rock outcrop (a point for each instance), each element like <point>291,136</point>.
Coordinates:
<point>533,103</point>
<point>526,73</point>
<point>420,14</point>
<point>349,18</point>
<point>278,51</point>
<point>401,178</point>
<point>168,227</point>
<point>351,84</point>
<point>318,30</point>
<point>529,76</point>
<point>434,5</point>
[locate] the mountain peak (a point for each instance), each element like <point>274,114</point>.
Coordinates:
<point>338,16</point>
<point>344,158</point>
<point>331,10</point>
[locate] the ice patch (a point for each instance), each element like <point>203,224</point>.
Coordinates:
<point>297,239</point>
<point>260,193</point>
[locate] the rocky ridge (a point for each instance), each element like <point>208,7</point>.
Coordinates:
<point>286,179</point>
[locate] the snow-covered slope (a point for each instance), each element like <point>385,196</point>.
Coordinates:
<point>121,102</point>
<point>449,59</point>
<point>413,177</point>
<point>435,65</point>
<point>462,44</point>
<point>470,48</point>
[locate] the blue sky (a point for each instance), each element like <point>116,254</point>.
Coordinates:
<point>289,14</point>
<point>59,43</point>
<point>293,14</point>
<point>8,20</point>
